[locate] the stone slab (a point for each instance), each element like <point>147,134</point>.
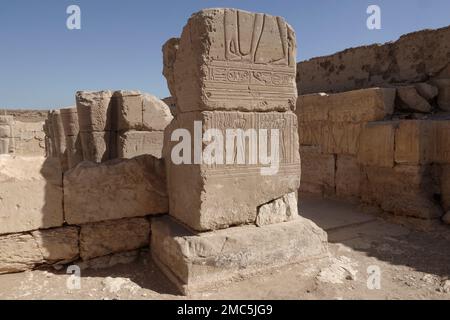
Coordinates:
<point>135,143</point>
<point>413,142</point>
<point>196,262</point>
<point>114,190</point>
<point>95,110</point>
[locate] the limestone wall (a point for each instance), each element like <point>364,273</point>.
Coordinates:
<point>81,203</point>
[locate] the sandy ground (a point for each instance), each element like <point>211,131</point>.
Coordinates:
<point>412,265</point>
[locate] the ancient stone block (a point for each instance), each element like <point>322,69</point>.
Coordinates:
<point>445,186</point>
<point>135,143</point>
<point>280,210</point>
<point>59,245</point>
<point>129,110</point>
<point>441,142</point>
<point>227,191</point>
<point>376,144</point>
<point>412,100</point>
<point>318,171</point>
<point>69,117</point>
<point>403,190</point>
<point>353,106</point>
<point>413,144</point>
<point>74,150</point>
<point>23,251</point>
<point>5,131</point>
<point>31,193</point>
<point>230,59</point>
<point>169,50</point>
<point>114,190</point>
<point>341,138</point>
<point>28,139</point>
<point>444,93</point>
<point>156,114</point>
<point>95,110</point>
<point>97,146</point>
<point>197,262</point>
<point>5,146</point>
<point>348,177</point>
<point>59,138</point>
<point>103,238</point>
<point>426,90</point>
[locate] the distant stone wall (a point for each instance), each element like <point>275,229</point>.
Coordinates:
<point>21,138</point>
<point>416,57</point>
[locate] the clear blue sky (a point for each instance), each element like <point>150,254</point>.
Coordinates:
<point>42,63</point>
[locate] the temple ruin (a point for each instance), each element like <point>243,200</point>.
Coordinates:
<point>254,132</point>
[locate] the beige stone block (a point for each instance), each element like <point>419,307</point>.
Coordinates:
<point>413,142</point>
<point>129,110</point>
<point>218,195</point>
<point>376,145</point>
<point>170,49</point>
<point>103,238</point>
<point>74,150</point>
<point>348,177</point>
<point>69,117</point>
<point>5,146</point>
<point>248,63</point>
<point>58,137</point>
<point>5,131</point>
<point>341,137</point>
<point>311,133</point>
<point>31,193</point>
<point>403,190</point>
<point>114,190</point>
<point>24,251</point>
<point>135,143</point>
<point>97,146</point>
<point>441,141</point>
<point>197,262</point>
<point>95,110</point>
<point>156,114</point>
<point>318,171</point>
<point>277,211</point>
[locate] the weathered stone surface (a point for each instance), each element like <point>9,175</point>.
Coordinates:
<point>199,262</point>
<point>97,146</point>
<point>446,218</point>
<point>445,186</point>
<point>351,107</point>
<point>29,138</point>
<point>219,195</point>
<point>59,139</point>
<point>412,100</point>
<point>5,146</point>
<point>230,59</point>
<point>95,110</point>
<point>444,93</point>
<point>104,238</point>
<point>156,114</point>
<point>109,260</point>
<point>402,190</point>
<point>376,145</point>
<point>114,190</point>
<point>135,143</point>
<point>413,144</point>
<point>74,150</point>
<point>426,90</point>
<point>280,210</point>
<point>169,50</point>
<point>318,171</point>
<point>348,177</point>
<point>413,58</point>
<point>69,117</point>
<point>137,111</point>
<point>59,245</point>
<point>5,131</point>
<point>23,251</point>
<point>6,120</point>
<point>441,142</point>
<point>30,192</point>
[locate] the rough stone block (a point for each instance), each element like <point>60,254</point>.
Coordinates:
<point>69,117</point>
<point>31,193</point>
<point>445,186</point>
<point>156,114</point>
<point>74,150</point>
<point>341,137</point>
<point>440,141</point>
<point>230,59</point>
<point>376,145</point>
<point>114,190</point>
<point>280,210</point>
<point>23,251</point>
<point>411,100</point>
<point>403,190</point>
<point>97,146</point>
<point>103,238</point>
<point>95,110</point>
<point>426,90</point>
<point>318,171</point>
<point>196,262</point>
<point>444,93</point>
<point>355,106</point>
<point>225,193</point>
<point>129,110</point>
<point>5,146</point>
<point>413,144</point>
<point>135,143</point>
<point>348,177</point>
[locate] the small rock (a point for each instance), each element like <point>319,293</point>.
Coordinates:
<point>427,91</point>
<point>412,100</point>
